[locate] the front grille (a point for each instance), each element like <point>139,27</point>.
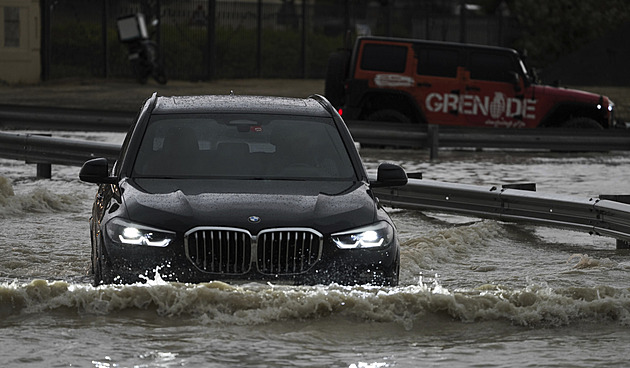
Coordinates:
<point>217,250</point>
<point>233,251</point>
<point>288,251</point>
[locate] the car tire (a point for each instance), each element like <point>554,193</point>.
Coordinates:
<point>335,77</point>
<point>392,278</point>
<point>581,123</point>
<point>100,265</point>
<point>389,115</point>
<point>140,72</point>
<point>92,252</point>
<point>155,62</point>
<point>160,76</point>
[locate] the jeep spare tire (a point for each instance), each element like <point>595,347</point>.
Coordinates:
<point>336,77</point>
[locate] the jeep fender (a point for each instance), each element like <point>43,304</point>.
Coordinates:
<point>563,112</point>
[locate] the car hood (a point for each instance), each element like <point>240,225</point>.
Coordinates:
<point>181,205</point>
<point>568,94</point>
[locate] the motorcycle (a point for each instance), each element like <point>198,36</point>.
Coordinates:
<point>144,53</point>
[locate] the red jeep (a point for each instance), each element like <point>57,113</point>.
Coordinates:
<point>403,80</point>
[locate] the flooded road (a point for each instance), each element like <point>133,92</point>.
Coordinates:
<point>473,293</point>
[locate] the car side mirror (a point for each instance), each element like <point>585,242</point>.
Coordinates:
<point>96,171</point>
<point>389,175</point>
<point>516,81</point>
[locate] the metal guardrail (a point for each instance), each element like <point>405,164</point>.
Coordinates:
<point>55,118</point>
<point>598,216</point>
<point>433,137</point>
<point>365,132</point>
<point>37,149</point>
<point>595,216</point>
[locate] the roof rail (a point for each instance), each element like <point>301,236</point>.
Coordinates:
<point>324,102</point>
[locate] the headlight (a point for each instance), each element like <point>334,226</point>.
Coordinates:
<point>376,235</point>
<point>125,232</point>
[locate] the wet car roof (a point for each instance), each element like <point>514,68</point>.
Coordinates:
<point>239,104</point>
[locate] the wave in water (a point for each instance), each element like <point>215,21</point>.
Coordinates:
<point>583,261</point>
<point>252,304</point>
<point>432,247</point>
<point>38,200</point>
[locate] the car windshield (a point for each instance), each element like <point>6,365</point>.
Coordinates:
<point>243,146</point>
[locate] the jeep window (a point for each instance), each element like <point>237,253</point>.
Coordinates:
<point>384,58</point>
<point>490,66</point>
<point>437,62</point>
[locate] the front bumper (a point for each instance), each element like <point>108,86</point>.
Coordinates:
<point>130,264</point>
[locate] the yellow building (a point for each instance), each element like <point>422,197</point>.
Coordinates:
<point>20,41</point>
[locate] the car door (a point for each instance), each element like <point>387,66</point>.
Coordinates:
<point>438,83</point>
<point>495,95</point>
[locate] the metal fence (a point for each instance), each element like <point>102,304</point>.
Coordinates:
<point>208,39</point>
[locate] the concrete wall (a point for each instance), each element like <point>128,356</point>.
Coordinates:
<point>20,41</point>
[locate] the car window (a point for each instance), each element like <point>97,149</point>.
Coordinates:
<point>491,66</point>
<point>384,58</point>
<point>243,146</point>
<point>437,62</point>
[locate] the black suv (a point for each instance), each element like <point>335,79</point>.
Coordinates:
<point>241,188</point>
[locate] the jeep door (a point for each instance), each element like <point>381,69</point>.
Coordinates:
<point>439,82</point>
<point>494,95</point>
<point>382,84</point>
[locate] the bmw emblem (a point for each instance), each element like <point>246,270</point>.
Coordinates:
<point>254,219</point>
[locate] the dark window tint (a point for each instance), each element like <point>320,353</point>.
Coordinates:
<point>384,58</point>
<point>256,146</point>
<point>437,62</point>
<point>11,26</point>
<point>491,66</point>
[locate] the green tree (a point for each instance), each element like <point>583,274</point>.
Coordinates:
<point>554,28</point>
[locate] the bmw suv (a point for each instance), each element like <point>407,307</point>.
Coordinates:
<point>240,188</point>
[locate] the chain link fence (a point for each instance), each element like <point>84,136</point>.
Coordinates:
<point>216,39</point>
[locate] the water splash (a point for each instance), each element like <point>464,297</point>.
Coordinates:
<point>586,262</point>
<point>432,248</point>
<point>252,304</point>
<point>6,190</point>
<point>38,200</point>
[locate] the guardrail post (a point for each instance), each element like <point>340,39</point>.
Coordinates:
<point>44,169</point>
<point>433,138</point>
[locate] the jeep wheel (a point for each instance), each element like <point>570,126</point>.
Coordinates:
<point>389,115</point>
<point>335,77</point>
<point>581,123</point>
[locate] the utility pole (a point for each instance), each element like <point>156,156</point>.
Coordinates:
<point>462,21</point>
